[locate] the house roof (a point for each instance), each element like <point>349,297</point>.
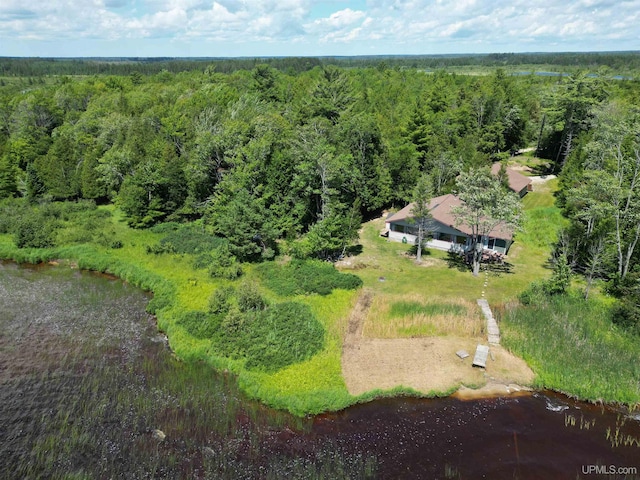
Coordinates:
<point>440,208</point>
<point>517,181</point>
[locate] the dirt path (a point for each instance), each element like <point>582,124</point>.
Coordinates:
<point>425,364</point>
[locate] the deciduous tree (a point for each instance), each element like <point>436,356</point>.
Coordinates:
<point>486,205</point>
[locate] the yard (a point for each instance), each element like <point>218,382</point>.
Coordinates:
<point>418,315</point>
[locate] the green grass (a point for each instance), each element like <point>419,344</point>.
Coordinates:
<point>404,308</point>
<point>573,347</point>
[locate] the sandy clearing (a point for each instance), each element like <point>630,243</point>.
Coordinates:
<point>428,365</point>
<point>538,179</point>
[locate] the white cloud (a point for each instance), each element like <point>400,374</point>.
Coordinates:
<point>390,26</point>
<point>340,19</point>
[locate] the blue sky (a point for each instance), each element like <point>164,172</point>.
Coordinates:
<point>152,28</point>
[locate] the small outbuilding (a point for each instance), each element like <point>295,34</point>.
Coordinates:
<point>518,182</point>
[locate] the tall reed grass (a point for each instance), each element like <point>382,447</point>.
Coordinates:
<point>574,348</point>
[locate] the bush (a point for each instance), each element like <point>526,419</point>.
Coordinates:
<point>192,239</point>
<point>626,314</point>
<point>160,248</point>
<point>306,276</point>
<point>272,339</point>
<point>220,300</point>
<point>560,279</point>
<point>534,295</point>
<point>35,231</point>
<point>11,213</point>
<point>223,264</point>
<point>249,298</point>
<point>199,324</point>
<point>165,227</point>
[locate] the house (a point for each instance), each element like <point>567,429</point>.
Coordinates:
<point>517,182</point>
<point>444,233</point>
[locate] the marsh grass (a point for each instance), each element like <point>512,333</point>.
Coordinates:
<point>573,347</point>
<point>413,315</point>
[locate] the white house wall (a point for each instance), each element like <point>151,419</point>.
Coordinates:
<point>438,244</point>
<point>411,240</point>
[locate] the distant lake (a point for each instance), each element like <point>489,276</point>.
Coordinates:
<point>560,74</point>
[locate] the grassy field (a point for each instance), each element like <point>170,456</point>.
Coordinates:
<point>418,316</point>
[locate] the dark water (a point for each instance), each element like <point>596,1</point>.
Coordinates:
<point>86,381</point>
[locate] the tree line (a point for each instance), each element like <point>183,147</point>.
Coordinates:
<point>627,63</point>
<point>259,154</point>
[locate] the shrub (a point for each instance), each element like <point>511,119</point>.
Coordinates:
<point>160,248</point>
<point>165,227</point>
<point>285,334</point>
<point>35,231</point>
<point>560,279</point>
<point>223,264</point>
<point>626,313</point>
<point>273,338</point>
<point>249,298</point>
<point>534,295</point>
<point>199,324</point>
<point>11,212</point>
<point>220,300</point>
<point>306,276</point>
<point>192,239</point>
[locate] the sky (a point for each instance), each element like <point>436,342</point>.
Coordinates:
<point>241,28</point>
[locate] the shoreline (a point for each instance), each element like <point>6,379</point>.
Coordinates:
<point>492,389</point>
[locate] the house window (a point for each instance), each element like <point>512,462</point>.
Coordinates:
<point>445,237</point>
<point>491,243</point>
<point>461,240</point>
<point>397,228</point>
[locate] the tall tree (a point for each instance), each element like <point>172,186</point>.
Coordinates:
<point>572,112</point>
<point>605,200</point>
<point>486,204</point>
<point>420,212</point>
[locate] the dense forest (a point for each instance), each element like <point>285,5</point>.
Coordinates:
<point>291,156</point>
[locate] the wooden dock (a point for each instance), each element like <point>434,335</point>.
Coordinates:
<point>480,358</point>
<point>493,331</point>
